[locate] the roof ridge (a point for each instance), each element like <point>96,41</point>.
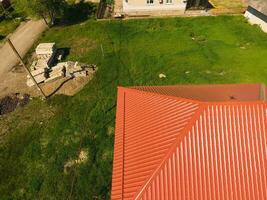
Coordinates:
<point>231,103</point>
<point>202,84</point>
<point>164,96</point>
<point>183,133</point>
<point>262,88</point>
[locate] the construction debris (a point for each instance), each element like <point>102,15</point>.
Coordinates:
<point>45,49</point>
<point>45,53</point>
<point>82,158</point>
<point>161,76</point>
<point>45,70</point>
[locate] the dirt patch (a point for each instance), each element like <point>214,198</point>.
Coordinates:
<point>228,6</point>
<point>66,86</point>
<point>10,103</point>
<point>15,82</point>
<point>229,3</point>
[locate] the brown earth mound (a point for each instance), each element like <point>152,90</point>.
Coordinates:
<point>11,102</point>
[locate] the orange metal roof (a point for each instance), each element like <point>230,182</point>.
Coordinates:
<point>209,93</point>
<point>167,147</point>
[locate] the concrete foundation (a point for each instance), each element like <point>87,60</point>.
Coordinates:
<point>255,20</point>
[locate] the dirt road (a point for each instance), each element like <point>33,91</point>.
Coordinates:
<point>23,39</point>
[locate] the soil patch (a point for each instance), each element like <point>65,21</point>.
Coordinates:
<point>11,102</point>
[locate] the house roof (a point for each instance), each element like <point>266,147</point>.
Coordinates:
<point>212,93</point>
<point>171,147</point>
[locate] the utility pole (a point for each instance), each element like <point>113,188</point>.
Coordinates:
<point>28,71</point>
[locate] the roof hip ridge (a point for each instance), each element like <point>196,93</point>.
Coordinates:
<point>163,95</point>
<point>196,116</point>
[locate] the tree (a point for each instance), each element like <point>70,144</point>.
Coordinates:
<point>46,9</point>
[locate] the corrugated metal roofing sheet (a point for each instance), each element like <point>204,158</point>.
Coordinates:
<point>144,133</point>
<point>211,93</point>
<point>172,148</point>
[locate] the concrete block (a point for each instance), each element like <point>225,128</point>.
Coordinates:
<point>81,73</point>
<point>38,71</point>
<point>39,79</point>
<point>54,77</point>
<point>45,48</point>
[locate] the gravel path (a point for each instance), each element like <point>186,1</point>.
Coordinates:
<point>23,39</point>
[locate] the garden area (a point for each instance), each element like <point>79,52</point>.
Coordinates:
<point>62,148</point>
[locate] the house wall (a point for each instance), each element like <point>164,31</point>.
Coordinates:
<point>255,20</point>
<point>158,5</point>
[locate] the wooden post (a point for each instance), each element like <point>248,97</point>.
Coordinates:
<point>28,71</point>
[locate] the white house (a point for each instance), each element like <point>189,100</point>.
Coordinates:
<point>155,7</point>
<point>257,13</point>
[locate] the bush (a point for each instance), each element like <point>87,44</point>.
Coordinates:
<point>75,13</point>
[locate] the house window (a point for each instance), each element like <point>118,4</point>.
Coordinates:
<point>168,1</point>
<point>150,1</point>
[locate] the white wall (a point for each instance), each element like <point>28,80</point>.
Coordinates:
<point>141,5</point>
<point>255,20</point>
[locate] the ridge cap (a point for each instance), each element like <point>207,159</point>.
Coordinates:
<point>161,95</point>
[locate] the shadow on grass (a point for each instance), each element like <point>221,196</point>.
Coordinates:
<point>64,52</point>
<point>200,4</point>
<point>61,55</point>
<point>77,13</point>
<point>2,37</point>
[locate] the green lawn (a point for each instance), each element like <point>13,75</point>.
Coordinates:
<point>45,135</point>
<point>7,27</point>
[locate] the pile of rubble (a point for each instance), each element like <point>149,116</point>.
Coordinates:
<point>47,67</point>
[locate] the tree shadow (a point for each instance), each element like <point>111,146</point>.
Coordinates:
<point>2,37</point>
<point>198,4</point>
<point>77,13</point>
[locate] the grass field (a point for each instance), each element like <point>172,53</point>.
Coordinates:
<point>7,27</point>
<point>41,138</point>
